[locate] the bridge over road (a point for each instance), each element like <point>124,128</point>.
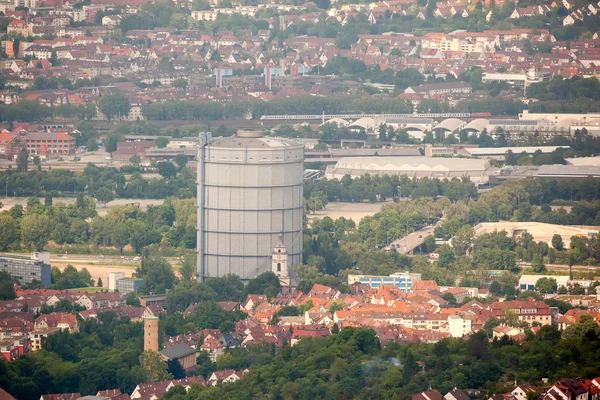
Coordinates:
<point>410,242</point>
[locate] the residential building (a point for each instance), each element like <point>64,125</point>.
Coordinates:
<point>101,300</point>
<point>516,334</point>
<point>18,27</point>
<point>456,394</point>
<point>431,394</point>
<point>527,311</point>
<point>566,389</point>
<point>57,320</point>
<point>10,146</point>
<point>458,326</point>
<point>213,347</point>
<point>309,331</point>
<point>39,335</point>
<point>521,391</point>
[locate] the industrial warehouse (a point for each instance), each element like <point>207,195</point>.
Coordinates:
<point>478,170</point>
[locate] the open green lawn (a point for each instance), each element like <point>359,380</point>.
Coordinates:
<point>88,289</point>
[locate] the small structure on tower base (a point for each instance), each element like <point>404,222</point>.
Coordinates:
<point>279,263</point>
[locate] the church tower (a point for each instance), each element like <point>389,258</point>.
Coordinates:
<point>279,263</point>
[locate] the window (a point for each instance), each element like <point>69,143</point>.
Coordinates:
<point>278,267</point>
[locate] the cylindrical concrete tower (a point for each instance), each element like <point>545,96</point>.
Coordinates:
<point>253,200</point>
<point>151,333</point>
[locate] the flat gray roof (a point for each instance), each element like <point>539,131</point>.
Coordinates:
<point>413,163</point>
<point>178,351</point>
<point>568,170</point>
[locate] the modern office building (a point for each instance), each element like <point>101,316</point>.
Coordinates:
<point>402,280</point>
<point>126,285</point>
<point>25,270</point>
<point>113,277</point>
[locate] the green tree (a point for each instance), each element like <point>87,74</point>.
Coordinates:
<point>463,240</point>
<point>335,306</point>
<point>9,231</point>
<point>538,264</point>
<point>99,284</point>
<point>157,274</point>
<point>132,299</point>
<point>181,160</point>
<point>23,161</point>
<point>266,283</point>
<point>114,105</point>
<point>152,368</point>
<point>227,288</point>
<point>449,297</point>
<point>586,328</point>
<point>166,169</point>
<point>119,236</point>
<point>7,287</point>
<point>180,83</point>
<point>383,132</point>
<point>135,160</point>
<point>186,293</point>
<point>16,211</point>
<point>557,242</point>
<point>161,142</point>
<point>111,143</point>
<point>429,243</point>
<point>35,231</point>
<point>495,288</point>
<point>546,285</point>
<point>510,158</point>
<point>188,266</point>
<point>104,195</point>
<point>316,201</point>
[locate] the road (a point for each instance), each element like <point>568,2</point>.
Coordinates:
<point>408,243</point>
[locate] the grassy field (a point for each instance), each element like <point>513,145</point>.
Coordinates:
<point>88,289</point>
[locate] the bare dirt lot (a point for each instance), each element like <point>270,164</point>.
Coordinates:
<point>100,267</point>
<point>354,211</point>
<point>98,271</point>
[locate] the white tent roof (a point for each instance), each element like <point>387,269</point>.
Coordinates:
<point>450,124</point>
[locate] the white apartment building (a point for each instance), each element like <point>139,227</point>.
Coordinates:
<point>458,326</point>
